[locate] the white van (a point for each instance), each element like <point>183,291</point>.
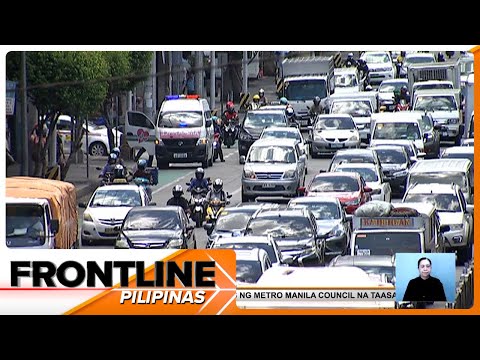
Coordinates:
<point>183,132</point>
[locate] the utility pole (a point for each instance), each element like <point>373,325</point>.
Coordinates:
<point>23,96</point>
<point>177,73</point>
<point>212,79</point>
<point>245,73</point>
<point>199,73</point>
<point>150,94</point>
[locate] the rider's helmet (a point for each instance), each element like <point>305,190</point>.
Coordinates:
<point>230,107</point>
<point>256,98</point>
<point>177,191</point>
<point>289,111</point>
<point>141,164</point>
<point>283,101</point>
<point>316,100</point>
<point>119,171</point>
<point>350,56</point>
<point>199,173</point>
<point>217,185</point>
<point>116,151</point>
<point>403,90</point>
<point>261,92</point>
<point>112,158</point>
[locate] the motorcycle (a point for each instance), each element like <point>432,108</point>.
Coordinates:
<point>214,209</point>
<point>230,134</point>
<point>216,145</point>
<point>107,178</point>
<point>145,183</point>
<point>402,105</point>
<point>197,205</point>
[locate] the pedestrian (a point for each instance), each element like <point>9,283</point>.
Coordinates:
<point>38,140</point>
<point>425,288</point>
<point>189,84</point>
<point>61,161</point>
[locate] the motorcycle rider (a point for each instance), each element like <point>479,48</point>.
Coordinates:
<point>283,101</point>
<point>179,200</point>
<point>350,62</point>
<point>216,192</point>
<point>199,181</point>
<point>109,166</point>
<point>263,100</point>
<point>403,95</point>
<point>316,109</point>
<point>399,64</point>
<point>230,115</point>
<point>255,104</point>
<point>116,151</point>
<point>119,175</point>
<point>141,172</point>
<point>218,131</point>
<point>364,72</point>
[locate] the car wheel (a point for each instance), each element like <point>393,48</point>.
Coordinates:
<point>86,242</point>
<point>97,149</point>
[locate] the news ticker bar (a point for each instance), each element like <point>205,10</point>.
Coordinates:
<point>246,295</point>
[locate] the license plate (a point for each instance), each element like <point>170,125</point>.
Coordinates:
<point>363,252</point>
<point>268,186</point>
<point>336,145</point>
<point>113,230</point>
<point>180,155</point>
<point>444,133</point>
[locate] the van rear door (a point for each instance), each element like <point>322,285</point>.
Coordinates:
<point>140,131</point>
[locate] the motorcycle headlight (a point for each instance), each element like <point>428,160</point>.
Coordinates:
<point>175,243</point>
<point>290,174</point>
<point>87,217</point>
<point>202,141</point>
<point>249,174</point>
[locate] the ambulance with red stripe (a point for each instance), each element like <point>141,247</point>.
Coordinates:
<point>183,131</point>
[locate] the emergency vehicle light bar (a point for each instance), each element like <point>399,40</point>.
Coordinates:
<point>176,97</point>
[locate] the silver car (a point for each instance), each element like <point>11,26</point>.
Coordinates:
<point>273,168</point>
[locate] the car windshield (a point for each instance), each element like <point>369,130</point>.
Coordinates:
<point>180,119</point>
<point>426,123</point>
<point>444,177</point>
<point>25,225</point>
<point>321,211</point>
<point>282,134</point>
<point>443,202</point>
<point>391,156</point>
<point>368,174</point>
<point>248,271</point>
<point>345,80</point>
<point>281,154</point>
<point>353,158</point>
<point>432,86</point>
<point>435,103</point>
<point>264,118</point>
<point>249,246</point>
<point>387,243</point>
<point>305,89</point>
<point>229,221</point>
<point>418,59</point>
<point>377,58</point>
<point>391,87</point>
<point>112,197</point>
<point>397,131</point>
<point>340,123</point>
<point>152,220</point>
<point>334,184</point>
<point>356,108</point>
<point>281,227</point>
<point>468,156</point>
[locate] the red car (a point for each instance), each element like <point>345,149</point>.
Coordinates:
<point>350,188</point>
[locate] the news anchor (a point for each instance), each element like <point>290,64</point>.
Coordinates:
<point>425,288</point>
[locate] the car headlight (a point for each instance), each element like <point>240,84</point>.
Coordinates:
<point>456,227</point>
<point>159,142</point>
<point>121,243</point>
<point>249,174</point>
<point>201,141</point>
<point>452,121</point>
<point>175,243</point>
<point>87,217</point>
<point>290,174</point>
<point>354,137</point>
<point>245,136</point>
<point>400,173</point>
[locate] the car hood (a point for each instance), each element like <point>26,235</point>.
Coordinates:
<point>335,134</point>
<point>450,218</point>
<point>110,212</point>
<point>442,116</point>
<point>390,167</point>
<point>226,234</point>
<point>151,236</point>
<point>378,66</point>
<point>269,167</point>
<point>254,131</point>
<point>325,226</point>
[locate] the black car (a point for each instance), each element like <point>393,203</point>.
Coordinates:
<point>156,227</point>
<point>431,135</point>
<point>295,231</point>
<point>395,165</point>
<point>233,221</point>
<point>253,124</point>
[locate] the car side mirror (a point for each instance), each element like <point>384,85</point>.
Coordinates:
<point>301,190</point>
<point>208,123</point>
<point>444,228</point>
<point>242,159</point>
<point>82,205</point>
<point>470,208</point>
<point>54,225</point>
<point>437,127</point>
<point>368,189</point>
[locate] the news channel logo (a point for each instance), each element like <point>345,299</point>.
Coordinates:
<point>442,267</point>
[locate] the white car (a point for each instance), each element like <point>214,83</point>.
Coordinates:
<point>332,132</point>
<point>380,65</point>
<point>106,210</point>
<point>374,178</point>
<point>97,137</point>
<point>289,132</point>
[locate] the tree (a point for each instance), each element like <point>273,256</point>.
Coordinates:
<point>62,82</point>
<point>125,70</point>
